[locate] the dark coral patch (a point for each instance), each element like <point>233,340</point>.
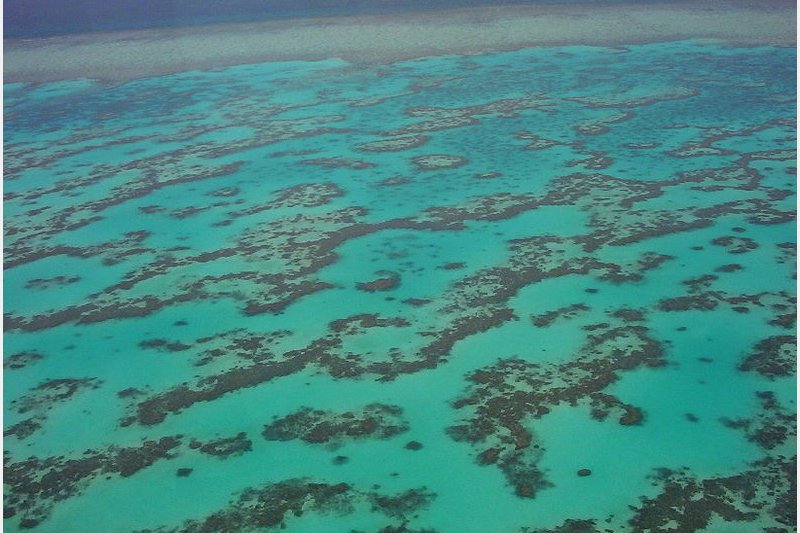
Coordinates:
<point>265,365</point>
<point>686,503</point>
<point>629,315</point>
<point>52,391</point>
<point>130,392</point>
<point>604,405</point>
<point>164,345</point>
<point>773,357</point>
<point>394,144</point>
<point>388,281</point>
<point>50,283</point>
<point>736,245</point>
<point>226,447</point>
<point>378,421</point>
<point>24,429</point>
<point>443,118</point>
<point>269,506</point>
<point>302,195</point>
<point>393,181</point>
<point>608,200</point>
<point>733,267</point>
<point>338,162</point>
<point>21,360</point>
<point>504,398</point>
<point>701,298</point>
<point>571,526</point>
<point>358,323</point>
<point>225,192</point>
<point>35,485</point>
<point>401,505</point>
<point>568,312</point>
<point>439,161</point>
<point>601,125</point>
<point>594,161</point>
<point>537,142</point>
<point>772,426</point>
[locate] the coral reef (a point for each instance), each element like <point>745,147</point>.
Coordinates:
<point>315,426</point>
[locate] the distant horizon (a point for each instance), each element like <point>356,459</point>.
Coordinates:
<point>27,19</point>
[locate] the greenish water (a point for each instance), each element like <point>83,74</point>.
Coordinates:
<point>250,298</point>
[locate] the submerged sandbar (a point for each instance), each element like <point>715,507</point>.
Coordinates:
<point>125,55</point>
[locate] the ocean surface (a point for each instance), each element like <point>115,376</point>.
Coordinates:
<point>550,289</point>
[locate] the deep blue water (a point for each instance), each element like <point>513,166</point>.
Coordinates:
<point>44,18</point>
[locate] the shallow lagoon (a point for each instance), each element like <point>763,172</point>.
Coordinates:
<point>600,276</point>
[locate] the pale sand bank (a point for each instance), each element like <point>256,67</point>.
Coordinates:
<point>127,55</point>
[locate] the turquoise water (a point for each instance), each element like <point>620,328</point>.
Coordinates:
<point>559,298</point>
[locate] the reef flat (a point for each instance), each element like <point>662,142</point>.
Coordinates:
<point>541,290</point>
<point>370,39</point>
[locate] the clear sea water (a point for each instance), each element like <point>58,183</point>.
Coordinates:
<point>197,257</point>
